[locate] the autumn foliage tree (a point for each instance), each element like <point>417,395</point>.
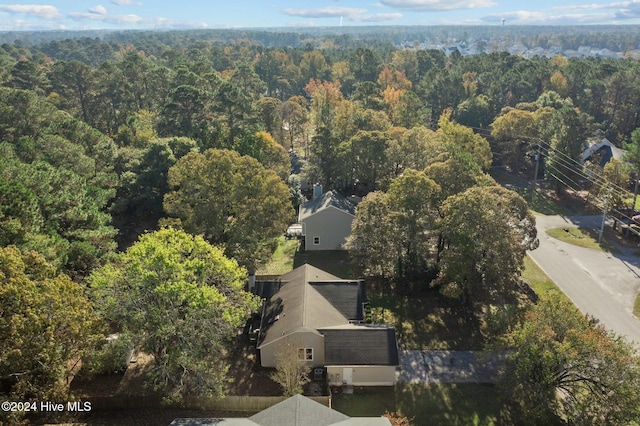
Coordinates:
<point>397,419</point>
<point>461,138</point>
<point>566,365</point>
<point>232,200</point>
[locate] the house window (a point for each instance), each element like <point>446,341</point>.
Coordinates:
<point>316,241</point>
<point>305,354</point>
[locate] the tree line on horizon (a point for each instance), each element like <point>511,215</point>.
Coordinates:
<point>149,185</point>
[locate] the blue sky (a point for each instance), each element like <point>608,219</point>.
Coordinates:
<point>169,14</point>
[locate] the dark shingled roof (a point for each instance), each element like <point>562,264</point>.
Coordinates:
<point>326,200</point>
<point>266,289</point>
<point>346,296</point>
<point>298,305</point>
<point>360,345</point>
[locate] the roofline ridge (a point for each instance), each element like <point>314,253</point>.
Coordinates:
<point>298,410</point>
<point>304,295</point>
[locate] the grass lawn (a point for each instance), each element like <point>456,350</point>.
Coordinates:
<point>436,404</point>
<point>335,262</point>
<point>429,321</point>
<point>282,260</point>
<point>288,256</point>
<point>581,237</point>
<point>537,279</point>
<point>636,307</point>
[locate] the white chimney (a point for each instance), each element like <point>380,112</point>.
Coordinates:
<point>317,190</point>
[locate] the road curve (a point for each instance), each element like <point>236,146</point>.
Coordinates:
<point>601,284</point>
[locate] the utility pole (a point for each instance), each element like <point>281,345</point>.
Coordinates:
<point>535,176</point>
<point>604,212</point>
<point>635,192</point>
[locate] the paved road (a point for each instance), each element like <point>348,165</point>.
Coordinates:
<point>601,284</point>
<point>448,367</point>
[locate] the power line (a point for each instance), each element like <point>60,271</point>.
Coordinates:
<point>566,161</point>
<point>594,178</point>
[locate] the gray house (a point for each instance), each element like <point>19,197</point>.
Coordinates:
<point>322,316</point>
<point>326,221</point>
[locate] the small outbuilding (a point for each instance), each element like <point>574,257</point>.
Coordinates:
<point>360,356</point>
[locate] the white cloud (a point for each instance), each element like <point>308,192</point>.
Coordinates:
<point>437,5</point>
<point>380,17</point>
<point>122,2</point>
<point>41,11</point>
<point>350,13</point>
<point>135,20</point>
<point>111,19</point>
<point>325,12</point>
<point>608,13</point>
<point>167,23</point>
<point>619,5</point>
<point>524,17</point>
<point>98,10</point>
<point>22,25</point>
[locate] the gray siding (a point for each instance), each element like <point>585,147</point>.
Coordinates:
<point>301,339</point>
<point>331,225</point>
<point>363,375</point>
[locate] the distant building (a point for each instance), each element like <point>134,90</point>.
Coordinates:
<point>606,148</point>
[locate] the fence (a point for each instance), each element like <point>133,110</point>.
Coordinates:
<point>250,404</point>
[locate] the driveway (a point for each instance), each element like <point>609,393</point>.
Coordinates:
<point>448,367</point>
<point>601,284</point>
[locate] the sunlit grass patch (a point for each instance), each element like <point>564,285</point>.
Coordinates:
<point>576,236</point>
<point>282,260</point>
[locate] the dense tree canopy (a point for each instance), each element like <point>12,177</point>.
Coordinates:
<point>195,125</point>
<point>57,182</point>
<point>47,325</point>
<point>565,365</point>
<point>392,231</point>
<point>232,200</point>
<point>182,301</point>
<point>487,231</point>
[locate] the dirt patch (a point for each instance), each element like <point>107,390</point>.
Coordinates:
<point>131,383</point>
<point>246,376</point>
